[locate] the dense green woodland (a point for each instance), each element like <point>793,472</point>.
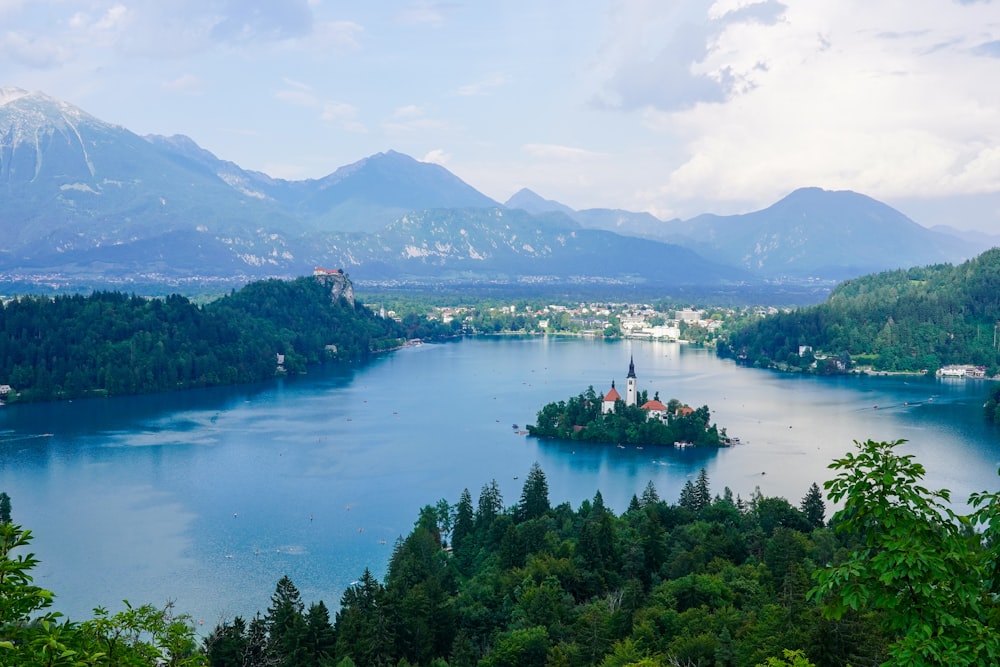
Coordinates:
<point>110,343</point>
<point>894,578</point>
<point>907,320</point>
<point>580,418</point>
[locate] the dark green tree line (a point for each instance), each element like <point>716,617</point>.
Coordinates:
<point>110,343</point>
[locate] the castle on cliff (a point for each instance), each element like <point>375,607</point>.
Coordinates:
<point>337,281</point>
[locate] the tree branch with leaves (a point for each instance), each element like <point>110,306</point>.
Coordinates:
<point>916,561</point>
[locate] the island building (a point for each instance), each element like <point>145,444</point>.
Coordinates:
<point>654,408</point>
<point>631,391</point>
<point>608,406</point>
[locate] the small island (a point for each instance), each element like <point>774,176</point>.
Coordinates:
<point>634,420</point>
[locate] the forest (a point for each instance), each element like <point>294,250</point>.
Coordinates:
<point>915,319</point>
<point>581,418</point>
<point>894,577</point>
<point>111,343</point>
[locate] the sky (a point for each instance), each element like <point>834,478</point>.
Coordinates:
<point>675,107</point>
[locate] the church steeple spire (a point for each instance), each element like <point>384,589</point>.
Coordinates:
<point>631,390</point>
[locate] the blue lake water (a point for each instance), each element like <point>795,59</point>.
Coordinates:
<point>208,497</point>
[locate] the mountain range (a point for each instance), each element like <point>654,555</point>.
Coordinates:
<point>82,198</point>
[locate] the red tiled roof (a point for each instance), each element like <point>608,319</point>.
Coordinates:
<point>684,410</point>
<point>613,395</point>
<point>654,405</point>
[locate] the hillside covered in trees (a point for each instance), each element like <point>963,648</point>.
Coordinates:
<point>895,578</point>
<point>110,343</point>
<point>907,320</point>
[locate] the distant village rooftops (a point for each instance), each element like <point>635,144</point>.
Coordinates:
<point>320,271</point>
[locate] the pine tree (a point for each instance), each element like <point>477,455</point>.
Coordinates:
<point>464,525</point>
<point>490,505</point>
<point>364,632</point>
<point>463,651</point>
<point>813,507</point>
<point>535,495</point>
<point>256,652</point>
<point>703,494</point>
<point>226,646</point>
<point>285,623</point>
<point>689,497</point>
<point>649,495</point>
<point>319,640</point>
<point>633,505</point>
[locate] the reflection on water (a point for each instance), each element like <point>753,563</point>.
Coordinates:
<point>208,497</point>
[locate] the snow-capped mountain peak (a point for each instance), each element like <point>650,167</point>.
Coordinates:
<point>10,93</point>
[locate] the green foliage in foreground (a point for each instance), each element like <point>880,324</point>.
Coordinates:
<point>33,636</point>
<point>110,343</point>
<point>580,418</point>
<point>908,320</point>
<point>934,577</point>
<point>897,578</point>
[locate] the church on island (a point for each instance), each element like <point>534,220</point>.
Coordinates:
<point>654,408</point>
<point>624,416</point>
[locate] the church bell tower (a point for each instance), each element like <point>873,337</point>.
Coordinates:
<point>631,392</point>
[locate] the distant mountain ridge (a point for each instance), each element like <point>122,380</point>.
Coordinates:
<point>809,233</point>
<point>81,197</point>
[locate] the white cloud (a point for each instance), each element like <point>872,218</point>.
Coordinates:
<point>297,97</point>
<point>34,52</point>
<point>10,6</point>
<point>337,35</point>
<point>484,87</point>
<point>554,152</point>
<point>343,114</point>
<point>437,156</point>
<point>261,20</point>
<point>408,111</point>
<point>426,13</point>
<point>409,119</point>
<point>828,96</point>
<point>115,17</point>
<point>186,83</point>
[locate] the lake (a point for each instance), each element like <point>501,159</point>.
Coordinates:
<point>207,497</point>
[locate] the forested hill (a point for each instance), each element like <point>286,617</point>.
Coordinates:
<point>111,343</point>
<point>914,319</point>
